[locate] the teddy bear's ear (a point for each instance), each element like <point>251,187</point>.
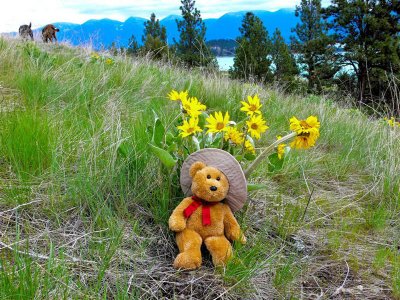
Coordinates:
<point>197,166</point>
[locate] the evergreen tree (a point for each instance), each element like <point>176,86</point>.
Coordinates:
<point>154,38</point>
<point>368,32</point>
<point>285,64</point>
<point>315,49</point>
<point>252,56</point>
<point>133,46</point>
<point>192,47</point>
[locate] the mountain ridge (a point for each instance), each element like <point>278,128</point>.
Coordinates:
<point>101,33</point>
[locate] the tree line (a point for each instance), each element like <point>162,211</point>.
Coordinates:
<point>351,47</point>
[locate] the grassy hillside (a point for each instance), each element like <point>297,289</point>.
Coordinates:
<point>84,204</point>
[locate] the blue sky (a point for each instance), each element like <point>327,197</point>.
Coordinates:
<point>42,12</point>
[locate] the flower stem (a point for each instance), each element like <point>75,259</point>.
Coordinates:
<point>267,150</point>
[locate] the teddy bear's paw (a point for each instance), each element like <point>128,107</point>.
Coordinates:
<point>187,261</point>
<point>176,225</point>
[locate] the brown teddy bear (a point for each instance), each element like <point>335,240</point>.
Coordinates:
<point>203,217</point>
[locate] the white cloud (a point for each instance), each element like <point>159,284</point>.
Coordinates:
<point>42,12</point>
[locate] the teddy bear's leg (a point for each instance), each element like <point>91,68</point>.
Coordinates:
<point>220,249</point>
<point>189,243</point>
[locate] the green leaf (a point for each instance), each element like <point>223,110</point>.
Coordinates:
<point>170,139</point>
<point>249,156</point>
<point>123,150</point>
<point>172,148</point>
<point>158,131</point>
<point>218,140</point>
<point>239,157</point>
<point>275,164</point>
<point>256,186</point>
<point>164,156</point>
<point>202,119</point>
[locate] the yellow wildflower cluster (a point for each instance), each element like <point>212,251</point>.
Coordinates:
<point>191,107</point>
<point>392,122</point>
<point>95,57</point>
<point>221,131</point>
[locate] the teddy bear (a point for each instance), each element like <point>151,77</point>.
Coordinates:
<point>204,216</point>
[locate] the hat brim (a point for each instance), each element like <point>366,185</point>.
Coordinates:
<point>227,164</point>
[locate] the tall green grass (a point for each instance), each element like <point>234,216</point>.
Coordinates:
<point>78,143</point>
<point>26,141</point>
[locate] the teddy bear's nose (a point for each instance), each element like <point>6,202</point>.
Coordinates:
<point>213,188</point>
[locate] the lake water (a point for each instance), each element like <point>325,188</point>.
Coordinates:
<point>224,62</point>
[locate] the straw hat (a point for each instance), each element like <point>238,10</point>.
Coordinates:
<point>227,164</point>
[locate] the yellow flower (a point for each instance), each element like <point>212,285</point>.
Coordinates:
<point>234,135</point>
<point>109,61</point>
<point>392,122</point>
<point>307,132</point>
<point>190,127</point>
<point>256,126</point>
<point>280,149</point>
<point>95,56</point>
<point>193,107</point>
<point>302,142</point>
<point>252,106</point>
<point>174,95</point>
<point>308,126</point>
<point>217,123</point>
<point>249,147</point>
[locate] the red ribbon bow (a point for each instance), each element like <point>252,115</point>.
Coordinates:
<point>206,211</point>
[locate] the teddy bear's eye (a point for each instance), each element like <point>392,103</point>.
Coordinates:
<point>218,178</point>
<point>208,176</point>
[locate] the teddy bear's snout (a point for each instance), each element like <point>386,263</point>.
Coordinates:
<point>213,188</point>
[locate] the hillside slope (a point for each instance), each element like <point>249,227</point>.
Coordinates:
<point>84,204</point>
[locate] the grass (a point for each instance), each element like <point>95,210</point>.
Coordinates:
<point>84,204</point>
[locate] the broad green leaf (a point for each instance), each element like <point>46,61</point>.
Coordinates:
<point>202,119</point>
<point>239,157</point>
<point>164,156</point>
<point>256,186</point>
<point>169,138</point>
<point>172,148</point>
<point>217,141</point>
<point>249,156</point>
<point>275,164</point>
<point>158,131</point>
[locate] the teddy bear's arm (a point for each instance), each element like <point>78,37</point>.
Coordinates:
<point>232,228</point>
<point>177,221</point>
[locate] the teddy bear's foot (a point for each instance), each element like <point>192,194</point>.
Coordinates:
<point>189,243</point>
<point>220,249</point>
<point>187,260</point>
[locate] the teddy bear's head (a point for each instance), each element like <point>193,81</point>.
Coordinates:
<point>208,183</point>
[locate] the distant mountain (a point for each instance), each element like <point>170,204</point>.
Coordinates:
<point>102,33</point>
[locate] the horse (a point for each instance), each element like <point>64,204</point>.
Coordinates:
<point>25,32</point>
<point>49,33</point>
